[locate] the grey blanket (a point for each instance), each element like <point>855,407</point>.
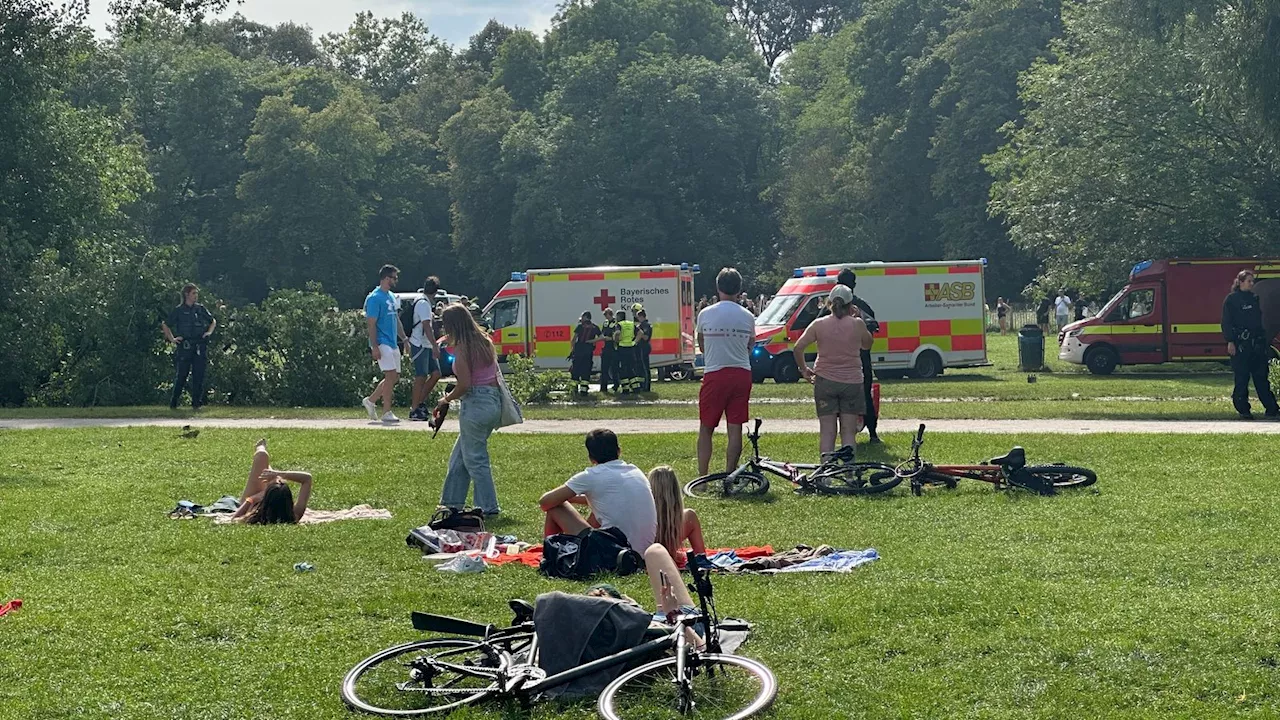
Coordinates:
<point>575,629</point>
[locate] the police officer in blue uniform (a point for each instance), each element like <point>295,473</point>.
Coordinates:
<point>188,328</point>
<point>1248,346</point>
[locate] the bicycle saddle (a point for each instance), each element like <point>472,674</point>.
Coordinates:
<point>523,610</point>
<point>1016,459</point>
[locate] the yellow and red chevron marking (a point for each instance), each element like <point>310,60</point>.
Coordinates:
<point>602,276</point>
<point>887,271</point>
<point>964,335</point>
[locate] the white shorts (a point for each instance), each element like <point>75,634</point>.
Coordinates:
<point>389,360</point>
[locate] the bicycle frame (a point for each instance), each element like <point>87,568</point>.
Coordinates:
<point>757,463</point>
<point>920,471</point>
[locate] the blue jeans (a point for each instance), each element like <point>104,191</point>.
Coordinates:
<point>478,418</point>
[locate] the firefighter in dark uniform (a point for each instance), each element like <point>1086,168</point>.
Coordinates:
<point>609,353</point>
<point>188,328</point>
<point>849,279</point>
<point>583,355</point>
<point>644,336</point>
<point>1248,346</point>
<point>627,354</point>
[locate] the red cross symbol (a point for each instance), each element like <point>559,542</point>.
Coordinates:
<point>605,300</point>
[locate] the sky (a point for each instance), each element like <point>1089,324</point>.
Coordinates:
<point>454,21</point>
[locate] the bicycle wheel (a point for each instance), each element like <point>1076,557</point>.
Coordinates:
<point>397,682</point>
<point>1064,476</point>
<point>724,687</point>
<point>855,479</point>
<point>718,485</point>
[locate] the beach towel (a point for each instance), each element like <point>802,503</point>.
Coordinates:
<point>316,517</point>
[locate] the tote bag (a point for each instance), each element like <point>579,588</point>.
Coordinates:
<point>511,414</point>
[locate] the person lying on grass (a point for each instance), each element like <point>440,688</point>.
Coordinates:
<point>267,499</point>
<point>617,493</point>
<point>669,592</point>
<point>676,523</point>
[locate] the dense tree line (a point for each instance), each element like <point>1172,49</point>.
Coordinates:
<point>1062,140</point>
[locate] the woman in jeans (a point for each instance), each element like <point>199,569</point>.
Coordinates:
<point>475,367</point>
<point>837,374</point>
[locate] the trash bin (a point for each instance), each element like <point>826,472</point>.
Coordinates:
<point>1030,348</point>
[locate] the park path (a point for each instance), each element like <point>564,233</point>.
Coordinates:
<point>684,425</point>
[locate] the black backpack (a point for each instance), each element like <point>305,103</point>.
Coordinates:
<point>578,557</point>
<point>406,316</point>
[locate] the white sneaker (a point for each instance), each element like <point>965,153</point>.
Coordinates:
<point>389,419</point>
<point>462,565</point>
<point>370,408</point>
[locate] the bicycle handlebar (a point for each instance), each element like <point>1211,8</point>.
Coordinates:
<point>920,435</point>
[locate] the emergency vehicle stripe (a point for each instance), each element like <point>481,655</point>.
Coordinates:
<point>872,272</point>
<point>1265,276</point>
<point>549,277</point>
<point>1197,328</point>
<point>553,333</point>
<point>658,274</point>
<point>964,269</point>
<point>1200,357</point>
<point>1122,330</point>
<point>586,276</point>
<point>935,270</point>
<point>903,329</point>
<point>512,291</point>
<point>901,271</point>
<point>622,276</point>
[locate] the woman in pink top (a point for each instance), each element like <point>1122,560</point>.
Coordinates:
<point>475,367</point>
<point>837,374</point>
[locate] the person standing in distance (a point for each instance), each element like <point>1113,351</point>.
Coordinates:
<point>627,353</point>
<point>583,354</point>
<point>726,332</point>
<point>1062,309</point>
<point>382,319</point>
<point>1248,345</point>
<point>849,279</point>
<point>188,328</point>
<point>609,353</point>
<point>644,338</point>
<point>423,350</point>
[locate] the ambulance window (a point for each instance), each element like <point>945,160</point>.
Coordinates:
<point>1137,304</point>
<point>780,308</point>
<point>808,314</point>
<point>503,314</point>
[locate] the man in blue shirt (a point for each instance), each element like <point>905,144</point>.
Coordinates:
<point>382,317</point>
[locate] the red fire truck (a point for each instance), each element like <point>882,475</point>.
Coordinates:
<point>1171,311</point>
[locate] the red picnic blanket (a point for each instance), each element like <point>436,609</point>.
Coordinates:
<point>533,556</point>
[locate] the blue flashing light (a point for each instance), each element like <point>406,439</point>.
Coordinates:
<point>983,261</point>
<point>1140,267</point>
<point>519,277</point>
<point>822,272</point>
<point>697,268</point>
<point>684,266</point>
<point>757,351</point>
<point>797,273</point>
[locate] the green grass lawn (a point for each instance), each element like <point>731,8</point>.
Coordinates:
<point>1152,597</point>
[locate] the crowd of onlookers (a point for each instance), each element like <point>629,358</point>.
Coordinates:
<point>754,305</point>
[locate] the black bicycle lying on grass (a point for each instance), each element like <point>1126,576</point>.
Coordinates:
<point>1008,471</point>
<point>438,676</point>
<point>837,474</point>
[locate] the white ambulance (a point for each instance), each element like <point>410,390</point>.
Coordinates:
<point>534,314</point>
<point>931,316</point>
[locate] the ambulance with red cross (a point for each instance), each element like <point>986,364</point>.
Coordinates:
<point>931,316</point>
<point>534,314</point>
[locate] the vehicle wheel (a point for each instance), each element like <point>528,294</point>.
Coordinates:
<point>855,479</point>
<point>785,370</point>
<point>928,365</point>
<point>1101,360</point>
<point>725,687</point>
<point>680,373</point>
<point>1064,476</point>
<point>716,486</point>
<point>371,686</point>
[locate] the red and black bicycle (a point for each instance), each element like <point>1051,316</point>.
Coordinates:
<point>1007,471</point>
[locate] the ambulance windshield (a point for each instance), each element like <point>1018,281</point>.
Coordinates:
<point>779,310</point>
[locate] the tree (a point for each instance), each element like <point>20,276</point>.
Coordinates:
<point>307,195</point>
<point>285,44</point>
<point>777,26</point>
<point>519,69</point>
<point>391,54</point>
<point>483,48</point>
<point>1131,151</point>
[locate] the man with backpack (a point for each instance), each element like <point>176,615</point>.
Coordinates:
<point>418,319</point>
<point>617,492</point>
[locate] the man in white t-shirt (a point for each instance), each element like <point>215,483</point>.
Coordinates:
<point>726,332</point>
<point>423,350</point>
<point>1062,308</point>
<point>617,492</point>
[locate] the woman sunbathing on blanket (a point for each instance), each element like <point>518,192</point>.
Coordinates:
<point>676,523</point>
<point>267,499</point>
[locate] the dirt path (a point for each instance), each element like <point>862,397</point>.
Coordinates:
<point>688,425</point>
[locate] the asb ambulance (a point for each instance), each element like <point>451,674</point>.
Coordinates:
<point>1171,311</point>
<point>535,313</point>
<point>931,317</point>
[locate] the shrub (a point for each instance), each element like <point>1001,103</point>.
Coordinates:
<point>529,385</point>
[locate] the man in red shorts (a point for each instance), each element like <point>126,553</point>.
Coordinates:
<point>726,332</point>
